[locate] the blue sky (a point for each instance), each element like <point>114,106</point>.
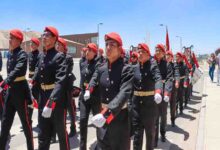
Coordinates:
<point>197,21</point>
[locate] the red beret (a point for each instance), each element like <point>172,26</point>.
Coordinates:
<point>93,47</point>
<point>84,49</point>
<point>135,54</point>
<point>36,41</point>
<point>101,50</point>
<point>63,42</point>
<point>114,36</point>
<point>161,46</point>
<point>179,54</point>
<point>169,52</point>
<point>144,47</point>
<point>17,33</point>
<point>52,30</point>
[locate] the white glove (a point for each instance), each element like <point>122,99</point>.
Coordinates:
<point>47,112</point>
<point>157,98</point>
<point>31,106</point>
<point>166,98</point>
<point>190,79</point>
<point>98,120</point>
<point>87,95</point>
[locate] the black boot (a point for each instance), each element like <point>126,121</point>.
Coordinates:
<point>163,138</point>
<point>173,122</point>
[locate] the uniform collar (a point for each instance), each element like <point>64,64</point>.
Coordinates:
<point>51,50</point>
<point>115,63</point>
<point>16,50</point>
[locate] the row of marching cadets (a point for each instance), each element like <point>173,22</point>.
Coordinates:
<point>121,96</point>
<point>132,96</point>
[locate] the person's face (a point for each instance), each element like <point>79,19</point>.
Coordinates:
<point>60,47</point>
<point>33,46</point>
<point>143,56</point>
<point>14,42</point>
<point>134,59</point>
<point>159,53</point>
<point>178,58</point>
<point>113,50</point>
<point>90,54</point>
<point>169,58</point>
<point>49,40</point>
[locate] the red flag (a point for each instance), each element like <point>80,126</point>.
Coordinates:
<point>167,40</point>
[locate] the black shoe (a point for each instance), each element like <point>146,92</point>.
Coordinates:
<point>173,123</point>
<point>155,145</point>
<point>72,133</point>
<point>181,112</point>
<point>163,139</point>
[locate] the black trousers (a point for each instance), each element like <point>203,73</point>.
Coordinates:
<point>1,105</point>
<point>56,123</point>
<point>173,103</point>
<point>144,119</point>
<point>161,122</point>
<point>85,108</point>
<point>180,96</point>
<point>187,94</point>
<point>71,108</point>
<point>16,102</point>
<point>116,135</point>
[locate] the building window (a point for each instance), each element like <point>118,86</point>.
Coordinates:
<point>71,49</point>
<point>94,40</point>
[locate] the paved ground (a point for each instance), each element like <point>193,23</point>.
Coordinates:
<point>183,136</point>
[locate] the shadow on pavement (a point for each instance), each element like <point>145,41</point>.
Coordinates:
<point>74,142</point>
<point>168,145</point>
<point>193,97</point>
<point>186,116</point>
<point>179,130</point>
<point>193,110</point>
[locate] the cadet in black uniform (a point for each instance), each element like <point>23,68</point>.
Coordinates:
<point>50,75</point>
<point>147,94</point>
<point>189,83</point>
<point>134,58</point>
<point>33,59</point>
<point>16,99</point>
<point>101,57</point>
<point>71,106</point>
<point>89,102</point>
<point>1,95</point>
<point>114,80</point>
<point>166,71</point>
<point>176,80</point>
<point>183,80</point>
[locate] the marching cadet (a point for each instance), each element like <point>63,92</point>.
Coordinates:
<point>166,71</point>
<point>114,79</point>
<point>33,59</point>
<point>101,57</point>
<point>134,58</point>
<point>83,57</point>
<point>176,80</point>
<point>89,102</point>
<point>183,71</point>
<point>50,75</point>
<point>188,82</point>
<point>71,106</point>
<point>81,61</point>
<point>17,89</point>
<point>147,94</point>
